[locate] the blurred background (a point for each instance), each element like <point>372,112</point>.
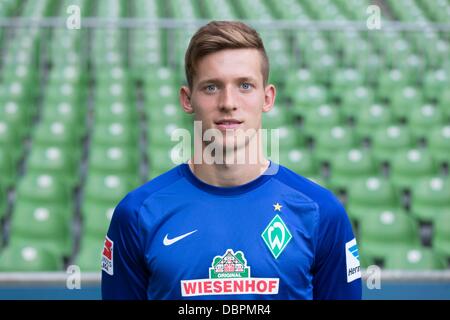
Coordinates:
<point>86,113</point>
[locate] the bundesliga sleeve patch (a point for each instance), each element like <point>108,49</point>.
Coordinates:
<point>352,261</point>
<point>107,256</point>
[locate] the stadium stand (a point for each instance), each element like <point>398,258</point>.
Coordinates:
<point>86,115</point>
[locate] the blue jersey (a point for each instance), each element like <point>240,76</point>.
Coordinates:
<point>280,236</point>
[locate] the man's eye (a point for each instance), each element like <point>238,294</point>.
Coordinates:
<point>246,86</point>
<point>210,88</point>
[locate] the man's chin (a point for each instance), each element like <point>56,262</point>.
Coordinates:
<point>228,145</point>
<point>230,152</point>
<point>233,144</point>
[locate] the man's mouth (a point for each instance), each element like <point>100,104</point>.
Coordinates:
<point>225,124</point>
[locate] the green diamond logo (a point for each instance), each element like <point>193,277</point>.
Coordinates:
<point>276,236</point>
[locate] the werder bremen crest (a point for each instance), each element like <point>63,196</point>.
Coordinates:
<point>276,236</point>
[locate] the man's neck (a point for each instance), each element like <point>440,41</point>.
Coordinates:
<point>228,175</point>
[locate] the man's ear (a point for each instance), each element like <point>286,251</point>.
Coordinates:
<point>270,93</point>
<point>185,99</point>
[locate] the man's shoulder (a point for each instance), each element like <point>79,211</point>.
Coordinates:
<point>330,208</point>
<point>135,198</point>
<point>307,186</point>
<point>309,189</point>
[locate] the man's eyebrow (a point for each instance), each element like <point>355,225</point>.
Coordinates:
<point>210,80</point>
<point>250,79</point>
<point>216,80</point>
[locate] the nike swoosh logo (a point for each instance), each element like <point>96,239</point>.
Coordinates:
<point>168,242</point>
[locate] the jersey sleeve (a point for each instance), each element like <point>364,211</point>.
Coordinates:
<point>124,275</point>
<point>336,269</point>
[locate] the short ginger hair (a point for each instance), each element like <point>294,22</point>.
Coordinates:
<point>220,35</point>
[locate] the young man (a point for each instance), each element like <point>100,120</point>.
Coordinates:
<point>223,229</point>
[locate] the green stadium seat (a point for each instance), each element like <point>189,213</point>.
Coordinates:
<point>349,166</point>
<point>371,195</point>
<point>317,47</point>
<point>405,100</point>
<point>413,258</point>
<point>115,74</point>
<point>17,116</point>
<point>3,201</point>
<point>300,161</point>
<point>324,117</point>
<point>14,90</point>
<point>379,231</point>
<point>69,57</point>
<point>435,82</point>
<point>441,233</point>
<point>43,189</point>
<point>161,75</point>
<point>308,97</point>
<point>439,143</point>
<point>423,120</point>
<point>28,258</point>
<point>444,102</point>
<point>66,105</point>
<point>370,68</point>
<point>160,134</point>
<point>114,91</point>
<point>55,161</point>
<point>160,160</point>
<point>398,50</point>
<point>147,47</point>
<point>281,61</point>
<point>45,226</point>
<point>412,67</point>
<point>56,133</point>
<point>328,142</point>
<point>63,92</point>
<point>96,217</point>
<point>114,160</point>
<point>387,141</point>
<point>430,197</point>
<point>115,112</point>
<point>368,120</point>
<point>354,50</point>
<point>355,98</point>
<point>158,96</point>
<point>90,255</point>
<point>8,168</point>
<point>410,165</point>
<point>275,118</point>
<point>23,73</point>
<point>436,52</point>
<point>106,59</point>
<point>117,133</point>
<point>164,114</point>
<point>10,140</point>
<point>323,66</point>
<point>64,113</point>
<point>289,137</point>
<point>107,189</point>
<point>300,78</point>
<point>68,73</point>
<point>389,82</point>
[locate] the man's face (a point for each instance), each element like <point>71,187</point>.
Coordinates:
<point>228,93</point>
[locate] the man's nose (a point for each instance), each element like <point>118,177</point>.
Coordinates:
<point>227,100</point>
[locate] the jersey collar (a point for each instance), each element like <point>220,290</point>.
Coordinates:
<point>230,191</point>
